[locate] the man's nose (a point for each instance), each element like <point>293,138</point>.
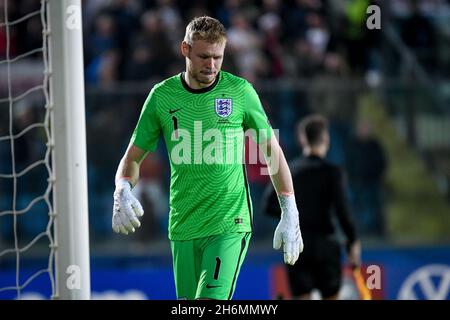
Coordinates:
<point>210,63</point>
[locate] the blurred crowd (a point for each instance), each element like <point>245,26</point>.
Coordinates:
<point>132,40</point>
<point>319,42</point>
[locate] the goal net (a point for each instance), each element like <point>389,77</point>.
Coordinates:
<point>40,242</point>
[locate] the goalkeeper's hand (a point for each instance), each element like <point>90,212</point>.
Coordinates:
<point>127,210</point>
<point>288,231</point>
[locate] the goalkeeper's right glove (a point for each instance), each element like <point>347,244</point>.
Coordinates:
<point>127,208</point>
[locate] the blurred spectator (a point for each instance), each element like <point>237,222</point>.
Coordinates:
<point>317,34</point>
<point>126,19</point>
<point>141,65</point>
<point>355,35</point>
<point>244,43</point>
<point>307,63</point>
<point>3,32</point>
<point>91,8</point>
<point>103,37</point>
<point>171,21</point>
<point>227,10</point>
<point>295,24</point>
<point>327,95</point>
<point>151,49</point>
<point>419,34</point>
<point>103,69</point>
<point>366,165</point>
<point>270,24</point>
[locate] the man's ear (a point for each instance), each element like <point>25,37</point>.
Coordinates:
<point>185,47</point>
<point>302,140</point>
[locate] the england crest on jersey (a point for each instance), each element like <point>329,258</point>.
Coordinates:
<point>224,107</point>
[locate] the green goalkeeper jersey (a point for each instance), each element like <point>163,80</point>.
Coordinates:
<point>204,133</point>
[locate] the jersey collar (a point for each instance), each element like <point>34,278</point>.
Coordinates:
<point>202,90</point>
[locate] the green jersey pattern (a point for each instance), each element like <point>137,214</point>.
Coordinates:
<point>203,131</point>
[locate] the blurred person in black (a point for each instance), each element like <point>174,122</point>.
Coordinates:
<point>320,192</point>
<point>366,166</point>
<point>419,34</point>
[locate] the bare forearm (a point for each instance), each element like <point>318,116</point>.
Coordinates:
<point>130,164</point>
<point>278,169</point>
<point>128,169</point>
<point>281,178</point>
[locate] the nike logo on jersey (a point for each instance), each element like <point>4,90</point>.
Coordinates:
<point>173,111</point>
<point>210,287</point>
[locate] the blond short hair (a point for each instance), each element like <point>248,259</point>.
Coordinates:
<point>205,28</point>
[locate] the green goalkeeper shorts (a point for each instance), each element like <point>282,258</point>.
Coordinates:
<point>208,267</point>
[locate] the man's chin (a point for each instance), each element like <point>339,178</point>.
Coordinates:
<point>206,80</point>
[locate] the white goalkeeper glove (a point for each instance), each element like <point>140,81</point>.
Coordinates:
<point>127,209</point>
<point>288,231</point>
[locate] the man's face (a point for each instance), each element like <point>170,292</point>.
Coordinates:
<point>203,60</point>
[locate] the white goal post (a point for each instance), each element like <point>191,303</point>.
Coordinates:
<point>69,156</point>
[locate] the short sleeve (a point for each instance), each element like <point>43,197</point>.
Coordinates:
<point>148,130</point>
<point>255,116</point>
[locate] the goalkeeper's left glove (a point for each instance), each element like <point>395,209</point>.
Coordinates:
<point>288,231</point>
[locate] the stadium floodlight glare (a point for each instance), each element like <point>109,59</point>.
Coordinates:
<point>65,161</point>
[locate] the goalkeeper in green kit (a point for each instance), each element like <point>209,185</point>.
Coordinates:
<point>202,114</point>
